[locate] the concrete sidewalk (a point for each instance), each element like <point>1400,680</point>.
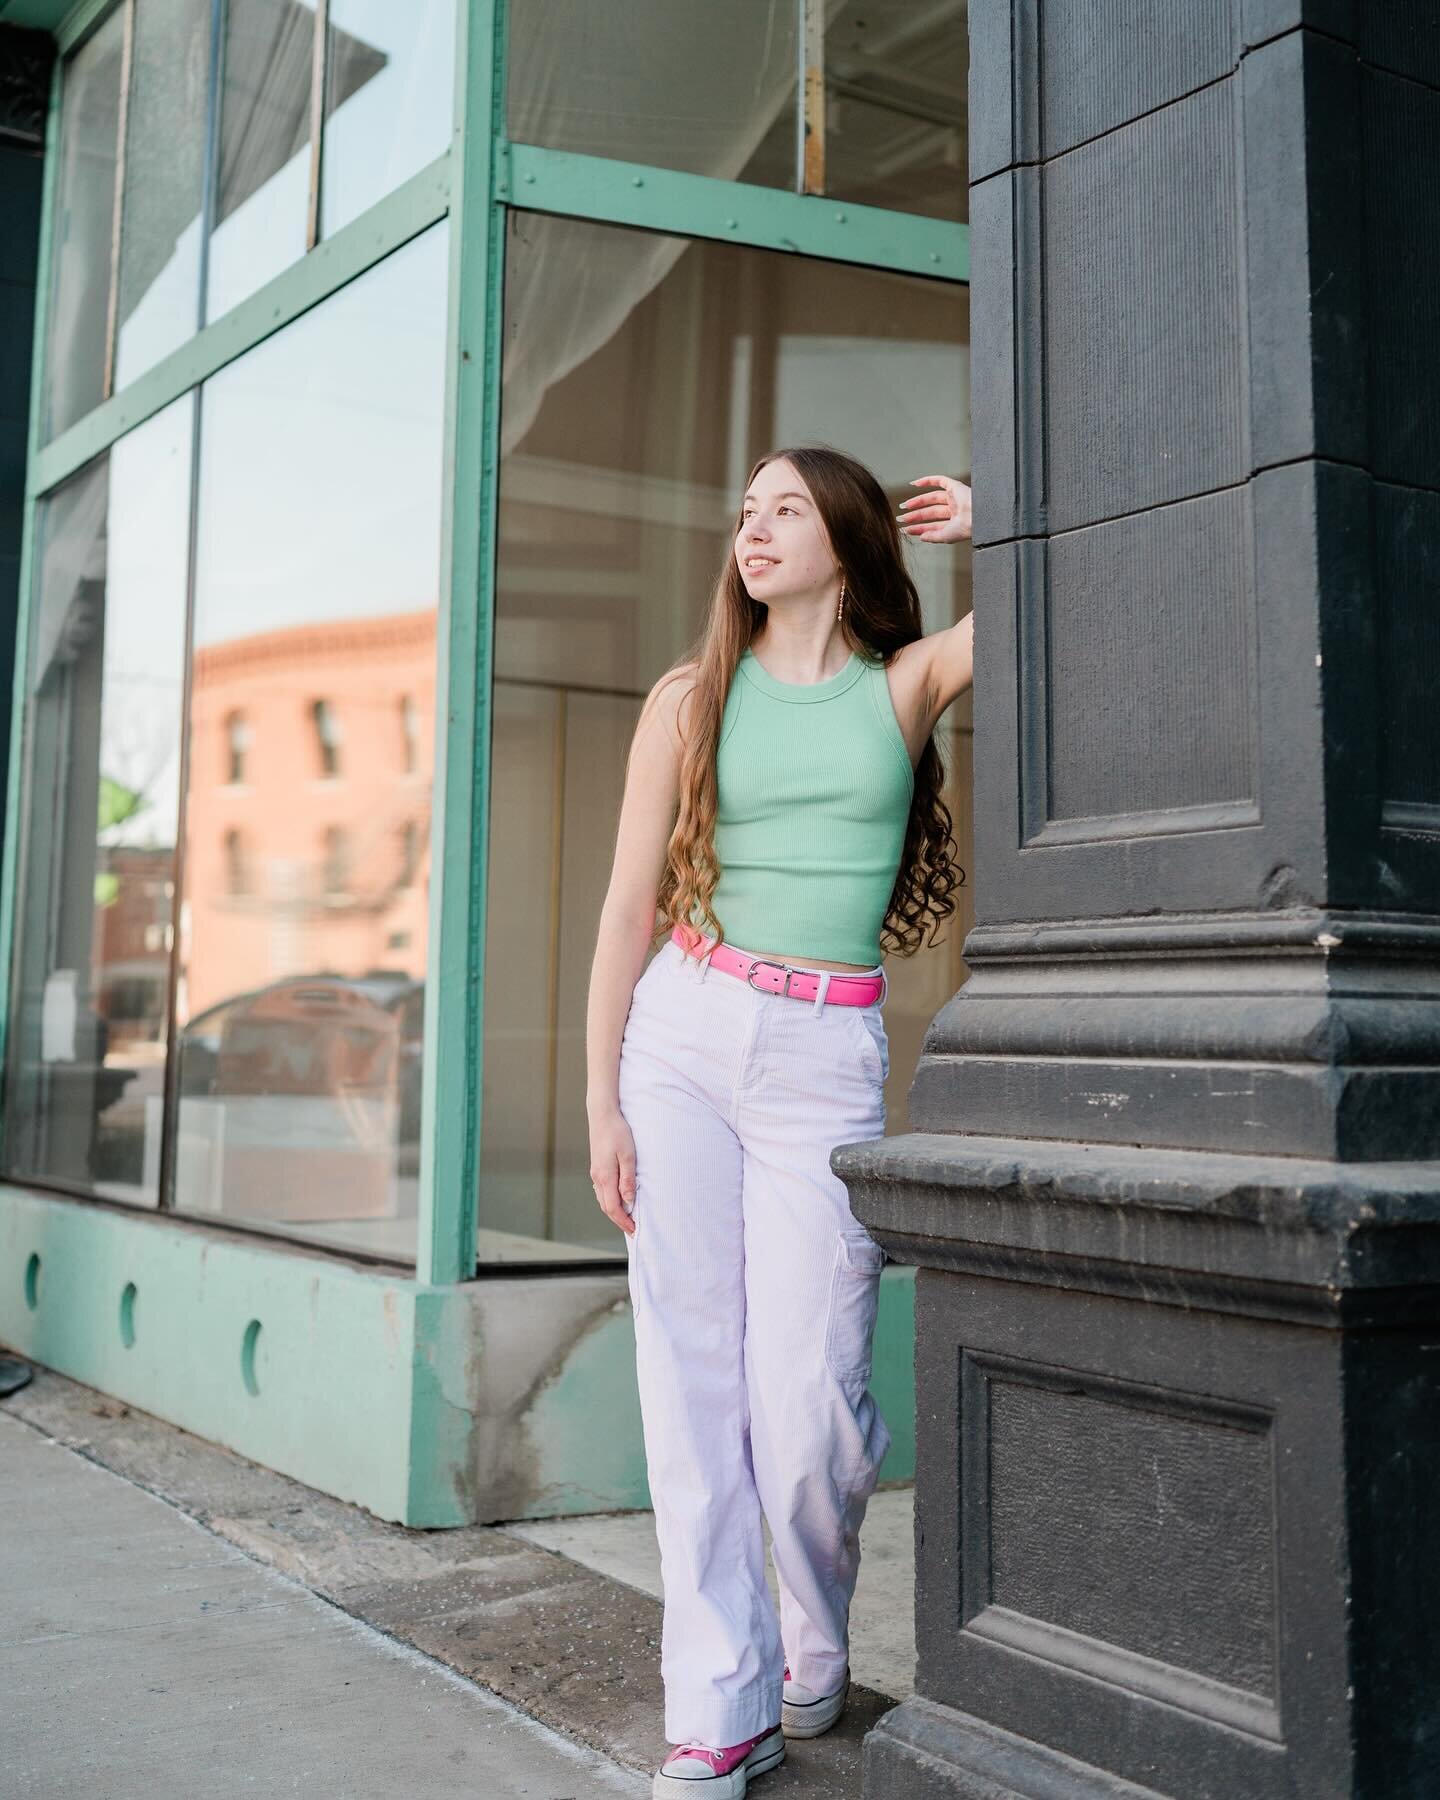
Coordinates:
<point>141,1655</point>
<point>882,1618</point>
<point>557,1623</point>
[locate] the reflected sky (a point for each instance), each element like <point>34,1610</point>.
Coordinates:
<point>320,449</point>
<point>320,471</point>
<point>392,70</point>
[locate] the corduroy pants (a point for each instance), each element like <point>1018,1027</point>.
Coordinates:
<point>754,1292</point>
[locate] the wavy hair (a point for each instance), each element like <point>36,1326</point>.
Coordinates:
<point>881,615</point>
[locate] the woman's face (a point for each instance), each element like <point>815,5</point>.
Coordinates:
<point>781,547</point>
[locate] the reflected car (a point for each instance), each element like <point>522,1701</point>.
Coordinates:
<point>322,1034</point>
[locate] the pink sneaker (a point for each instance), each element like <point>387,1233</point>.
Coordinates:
<point>806,1714</point>
<point>724,1772</point>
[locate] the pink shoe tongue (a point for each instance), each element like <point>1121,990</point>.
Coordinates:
<point>724,1760</point>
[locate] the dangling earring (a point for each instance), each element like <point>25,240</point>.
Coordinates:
<point>841,607</point>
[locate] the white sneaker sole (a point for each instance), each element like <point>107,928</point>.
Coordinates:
<point>768,1754</point>
<point>815,1716</point>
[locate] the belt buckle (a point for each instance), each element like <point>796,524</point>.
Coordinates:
<point>764,962</point>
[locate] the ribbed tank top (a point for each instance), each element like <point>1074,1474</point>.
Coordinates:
<point>815,786</point>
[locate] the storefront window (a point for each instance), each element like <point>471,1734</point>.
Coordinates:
<point>302,938</point>
<point>388,99</point>
<point>638,391</point>
<point>262,199</point>
<point>89,1007</point>
<point>161,225</point>
<point>681,84</point>
<point>896,110</point>
<point>387,104</point>
<point>83,231</point>
<point>684,84</point>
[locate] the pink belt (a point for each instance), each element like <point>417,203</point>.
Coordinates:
<point>780,978</point>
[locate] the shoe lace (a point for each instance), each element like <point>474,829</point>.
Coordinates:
<point>695,1748</point>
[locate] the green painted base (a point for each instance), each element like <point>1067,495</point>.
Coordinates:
<point>299,1362</point>
<point>582,1424</point>
<point>429,1406</point>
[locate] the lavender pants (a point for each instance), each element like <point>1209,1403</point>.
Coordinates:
<point>754,1292</point>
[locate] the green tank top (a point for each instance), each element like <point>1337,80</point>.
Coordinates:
<point>815,786</point>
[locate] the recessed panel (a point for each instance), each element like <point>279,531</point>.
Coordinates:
<point>1143,338</point>
<point>1140,674</point>
<point>1101,1513</point>
<point>1402,265</point>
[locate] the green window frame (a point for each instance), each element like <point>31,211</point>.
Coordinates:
<point>476,182</point>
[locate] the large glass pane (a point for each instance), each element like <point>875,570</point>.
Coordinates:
<point>164,183</point>
<point>83,231</point>
<point>307,829</point>
<point>643,376</point>
<point>682,84</point>
<point>388,104</point>
<point>262,201</point>
<point>896,105</point>
<point>105,664</point>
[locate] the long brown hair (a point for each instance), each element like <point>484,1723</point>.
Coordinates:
<point>881,615</point>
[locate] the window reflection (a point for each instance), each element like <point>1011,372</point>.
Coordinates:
<point>681,84</point>
<point>237,864</point>
<point>262,197</point>
<point>237,743</point>
<point>90,1010</point>
<point>389,72</point>
<point>82,233</point>
<point>896,105</point>
<point>387,97</point>
<point>161,225</point>
<point>638,391</point>
<point>388,85</point>
<point>300,1006</point>
<point>327,736</point>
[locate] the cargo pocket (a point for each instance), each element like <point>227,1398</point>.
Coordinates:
<point>874,1045</point>
<point>854,1297</point>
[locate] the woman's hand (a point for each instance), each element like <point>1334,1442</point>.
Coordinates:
<point>942,518</point>
<point>612,1166</point>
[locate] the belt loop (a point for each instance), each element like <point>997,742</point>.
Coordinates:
<point>703,963</point>
<point>823,990</point>
<point>884,987</point>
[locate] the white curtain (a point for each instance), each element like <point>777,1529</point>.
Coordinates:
<point>691,85</point>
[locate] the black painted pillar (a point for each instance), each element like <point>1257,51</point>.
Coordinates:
<point>1173,1174</point>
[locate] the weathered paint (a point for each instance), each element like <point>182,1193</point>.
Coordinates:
<point>431,1406</point>
<point>564,1413</point>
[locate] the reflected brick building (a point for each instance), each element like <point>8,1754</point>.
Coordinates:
<point>308,840</point>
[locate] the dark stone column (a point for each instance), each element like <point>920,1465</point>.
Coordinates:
<point>1173,1177</point>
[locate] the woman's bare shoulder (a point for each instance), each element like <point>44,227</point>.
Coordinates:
<point>667,697</point>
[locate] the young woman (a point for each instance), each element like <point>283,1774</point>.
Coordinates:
<point>783,816</point>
